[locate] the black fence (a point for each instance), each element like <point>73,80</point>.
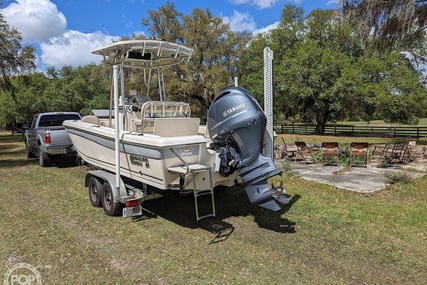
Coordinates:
<point>343,130</point>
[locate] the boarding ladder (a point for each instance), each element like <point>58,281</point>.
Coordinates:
<point>194,170</point>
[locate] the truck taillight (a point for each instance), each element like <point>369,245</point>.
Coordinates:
<point>47,138</point>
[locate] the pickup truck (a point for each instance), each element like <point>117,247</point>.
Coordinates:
<point>46,137</point>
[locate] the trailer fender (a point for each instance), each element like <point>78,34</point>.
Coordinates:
<point>119,195</point>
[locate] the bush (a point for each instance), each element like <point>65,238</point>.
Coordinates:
<point>394,178</point>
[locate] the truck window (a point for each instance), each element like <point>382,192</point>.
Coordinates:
<point>56,119</point>
<point>33,122</point>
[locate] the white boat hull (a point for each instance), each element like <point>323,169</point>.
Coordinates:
<point>147,158</point>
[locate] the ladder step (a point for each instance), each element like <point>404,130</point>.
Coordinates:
<point>182,169</point>
<point>203,193</point>
<point>206,216</point>
<point>194,169</point>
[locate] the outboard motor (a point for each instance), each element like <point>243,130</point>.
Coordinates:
<point>236,125</point>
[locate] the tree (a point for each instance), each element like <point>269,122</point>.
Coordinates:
<point>310,54</point>
<point>15,60</point>
<point>216,52</point>
<point>322,73</point>
<point>78,89</point>
<point>386,24</point>
<point>30,98</point>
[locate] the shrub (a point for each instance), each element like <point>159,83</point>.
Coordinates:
<point>394,178</point>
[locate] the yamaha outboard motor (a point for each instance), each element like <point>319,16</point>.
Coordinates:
<point>236,124</point>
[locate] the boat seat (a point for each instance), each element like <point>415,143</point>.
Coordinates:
<point>165,109</point>
<point>91,119</point>
<point>152,110</point>
<point>174,127</point>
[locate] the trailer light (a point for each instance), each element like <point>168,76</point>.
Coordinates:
<point>47,138</point>
<point>132,203</point>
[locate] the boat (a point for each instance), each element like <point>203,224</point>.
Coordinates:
<point>155,147</point>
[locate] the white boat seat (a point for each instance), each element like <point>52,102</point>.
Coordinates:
<point>165,109</point>
<point>91,119</point>
<point>151,110</point>
<point>174,127</point>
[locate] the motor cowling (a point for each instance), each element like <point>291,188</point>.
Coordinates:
<point>236,124</point>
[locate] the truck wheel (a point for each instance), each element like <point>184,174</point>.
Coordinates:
<point>44,159</point>
<point>29,152</point>
<point>95,189</point>
<point>107,196</point>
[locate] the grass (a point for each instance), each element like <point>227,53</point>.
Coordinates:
<point>318,139</point>
<point>325,236</point>
<point>422,123</point>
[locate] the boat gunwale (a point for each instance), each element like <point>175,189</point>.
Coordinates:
<point>126,137</point>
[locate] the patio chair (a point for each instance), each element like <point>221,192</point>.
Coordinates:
<point>359,149</point>
<point>280,150</point>
<point>330,149</point>
<point>304,151</point>
<point>399,152</point>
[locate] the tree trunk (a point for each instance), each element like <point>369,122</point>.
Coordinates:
<point>321,120</point>
<point>320,128</point>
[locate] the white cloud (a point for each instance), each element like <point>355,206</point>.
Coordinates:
<point>296,1</point>
<point>267,29</point>
<point>41,24</point>
<point>240,22</point>
<point>262,4</point>
<point>73,48</point>
<point>36,20</point>
<point>333,2</point>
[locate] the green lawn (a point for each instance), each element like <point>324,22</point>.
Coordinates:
<point>325,236</point>
<point>421,123</point>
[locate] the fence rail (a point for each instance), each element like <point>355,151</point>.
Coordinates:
<point>342,130</point>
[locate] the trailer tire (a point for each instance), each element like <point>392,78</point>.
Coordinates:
<point>95,189</point>
<point>107,196</point>
<point>44,159</point>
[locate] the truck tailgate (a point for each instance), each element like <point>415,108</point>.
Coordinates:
<point>59,137</point>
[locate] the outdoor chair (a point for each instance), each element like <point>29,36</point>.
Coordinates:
<point>279,151</point>
<point>398,152</point>
<point>359,149</point>
<point>330,149</point>
<point>304,151</point>
<point>284,150</point>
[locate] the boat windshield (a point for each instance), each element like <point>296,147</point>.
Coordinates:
<point>56,120</point>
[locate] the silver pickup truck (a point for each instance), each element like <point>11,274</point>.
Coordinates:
<point>46,137</point>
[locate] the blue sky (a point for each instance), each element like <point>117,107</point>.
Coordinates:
<point>65,31</point>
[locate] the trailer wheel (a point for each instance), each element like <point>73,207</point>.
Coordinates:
<point>95,189</point>
<point>107,196</point>
<point>44,159</point>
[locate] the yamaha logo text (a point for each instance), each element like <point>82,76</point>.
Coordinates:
<point>233,109</point>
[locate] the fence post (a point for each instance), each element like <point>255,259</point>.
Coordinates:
<point>418,133</point>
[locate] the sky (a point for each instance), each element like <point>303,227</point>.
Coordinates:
<point>64,32</point>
